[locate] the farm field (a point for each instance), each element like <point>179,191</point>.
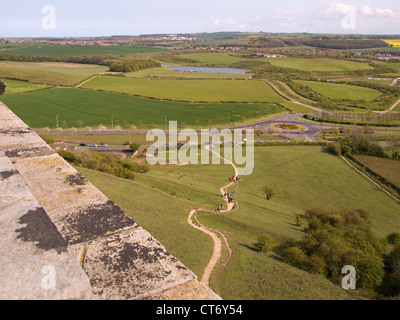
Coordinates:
<point>77,50</point>
<point>39,109</point>
<point>342,91</point>
<point>303,177</point>
<point>318,64</point>
<point>17,86</point>
<point>188,90</point>
<point>202,59</point>
<point>50,73</point>
<point>393,42</point>
<point>163,72</point>
<point>387,168</point>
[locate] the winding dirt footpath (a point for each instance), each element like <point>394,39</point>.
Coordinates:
<point>217,252</point>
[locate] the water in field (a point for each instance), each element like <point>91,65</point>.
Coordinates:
<point>208,70</point>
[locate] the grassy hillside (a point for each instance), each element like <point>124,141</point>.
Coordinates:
<point>342,91</point>
<point>39,109</point>
<point>387,168</point>
<point>302,177</point>
<point>51,73</point>
<point>188,90</point>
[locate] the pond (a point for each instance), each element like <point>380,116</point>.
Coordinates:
<point>208,70</point>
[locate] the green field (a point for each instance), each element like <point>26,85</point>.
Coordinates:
<point>387,168</point>
<point>202,59</point>
<point>49,50</point>
<point>51,73</point>
<point>16,86</point>
<point>39,109</point>
<point>188,90</point>
<point>342,91</point>
<point>163,72</point>
<point>303,177</point>
<point>318,64</point>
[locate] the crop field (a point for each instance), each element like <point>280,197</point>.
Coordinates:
<point>302,177</point>
<point>318,64</point>
<point>76,50</point>
<point>393,42</point>
<point>50,73</point>
<point>165,73</point>
<point>188,90</point>
<point>209,59</point>
<point>17,86</point>
<point>39,109</point>
<point>342,91</point>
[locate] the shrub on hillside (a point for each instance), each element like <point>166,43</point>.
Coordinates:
<point>394,238</point>
<point>335,239</point>
<point>265,243</point>
<point>101,162</point>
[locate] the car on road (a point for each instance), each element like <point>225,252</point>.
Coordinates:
<point>103,145</point>
<point>83,145</point>
<point>93,145</point>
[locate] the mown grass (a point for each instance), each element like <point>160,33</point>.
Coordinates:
<point>17,86</point>
<point>318,64</point>
<point>50,73</point>
<point>302,177</point>
<point>342,91</point>
<point>80,108</point>
<point>188,90</point>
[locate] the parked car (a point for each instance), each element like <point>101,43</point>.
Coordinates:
<point>94,145</point>
<point>83,145</point>
<point>103,145</point>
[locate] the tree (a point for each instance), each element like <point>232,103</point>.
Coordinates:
<point>394,238</point>
<point>265,243</point>
<point>268,191</point>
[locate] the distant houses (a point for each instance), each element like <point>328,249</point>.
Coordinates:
<point>266,55</point>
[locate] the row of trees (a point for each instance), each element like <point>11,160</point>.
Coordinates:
<point>338,44</point>
<point>356,142</point>
<point>129,65</point>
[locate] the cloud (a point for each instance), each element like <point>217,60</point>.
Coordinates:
<point>384,12</point>
<point>338,8</point>
<point>367,10</point>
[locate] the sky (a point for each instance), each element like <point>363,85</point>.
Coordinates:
<point>57,18</point>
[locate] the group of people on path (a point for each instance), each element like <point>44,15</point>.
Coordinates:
<point>234,179</point>
<point>229,196</point>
